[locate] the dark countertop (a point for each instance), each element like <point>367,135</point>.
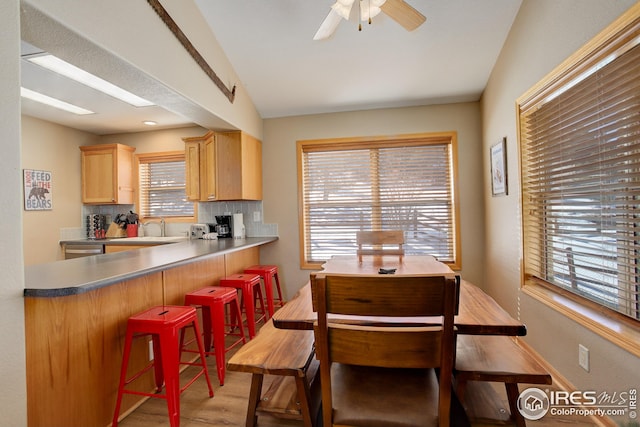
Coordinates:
<point>126,241</point>
<point>79,275</point>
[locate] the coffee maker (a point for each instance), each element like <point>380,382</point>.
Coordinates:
<point>224,226</point>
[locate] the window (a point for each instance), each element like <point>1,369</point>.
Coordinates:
<point>162,186</point>
<point>405,183</point>
<point>580,155</point>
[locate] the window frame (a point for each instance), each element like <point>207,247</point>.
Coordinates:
<point>351,143</point>
<point>159,157</point>
<point>616,327</point>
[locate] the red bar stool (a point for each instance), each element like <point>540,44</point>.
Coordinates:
<point>269,274</point>
<point>163,324</point>
<point>249,284</point>
<point>212,300</point>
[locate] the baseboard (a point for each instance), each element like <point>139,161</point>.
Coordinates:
<point>561,382</point>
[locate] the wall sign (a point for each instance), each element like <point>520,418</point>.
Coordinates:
<point>37,190</point>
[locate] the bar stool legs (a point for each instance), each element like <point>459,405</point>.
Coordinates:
<point>248,284</point>
<point>269,275</point>
<point>212,301</point>
<point>166,326</point>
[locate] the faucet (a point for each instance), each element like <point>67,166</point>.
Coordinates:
<point>161,223</point>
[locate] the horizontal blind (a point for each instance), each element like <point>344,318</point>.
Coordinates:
<point>162,187</point>
<point>580,148</point>
<point>379,188</point>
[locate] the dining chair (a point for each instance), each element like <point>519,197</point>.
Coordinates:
<point>374,242</point>
<point>375,373</point>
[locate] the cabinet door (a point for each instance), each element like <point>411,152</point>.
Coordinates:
<point>124,172</point>
<point>251,168</point>
<point>211,170</point>
<point>99,176</point>
<point>200,163</point>
<point>229,165</point>
<point>107,174</point>
<point>192,163</point>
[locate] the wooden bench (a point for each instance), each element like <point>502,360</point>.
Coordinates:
<point>483,359</point>
<point>289,355</point>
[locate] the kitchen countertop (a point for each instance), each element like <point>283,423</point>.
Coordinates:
<point>79,275</point>
<point>145,240</point>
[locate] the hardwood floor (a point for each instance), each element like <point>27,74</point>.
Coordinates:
<point>228,407</point>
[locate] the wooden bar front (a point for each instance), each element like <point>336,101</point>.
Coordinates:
<point>74,343</point>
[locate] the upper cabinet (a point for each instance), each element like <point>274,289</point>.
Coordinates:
<point>107,174</point>
<point>223,166</point>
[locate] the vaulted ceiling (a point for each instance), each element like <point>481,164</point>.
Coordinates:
<point>285,72</point>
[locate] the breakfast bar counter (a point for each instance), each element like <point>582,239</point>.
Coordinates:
<point>78,275</point>
<point>76,314</point>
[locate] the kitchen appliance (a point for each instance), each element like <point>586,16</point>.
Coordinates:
<point>224,226</point>
<point>199,230</point>
<point>96,226</point>
<point>237,226</point>
<point>82,250</point>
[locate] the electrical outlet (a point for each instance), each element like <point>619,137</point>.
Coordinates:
<point>256,216</point>
<point>583,357</point>
<point>150,350</point>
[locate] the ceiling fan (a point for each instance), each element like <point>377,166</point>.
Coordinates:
<point>398,10</point>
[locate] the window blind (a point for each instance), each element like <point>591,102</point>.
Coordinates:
<point>580,148</point>
<point>378,186</point>
<point>162,186</point>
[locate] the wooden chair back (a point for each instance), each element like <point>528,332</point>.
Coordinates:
<point>381,345</point>
<point>374,242</point>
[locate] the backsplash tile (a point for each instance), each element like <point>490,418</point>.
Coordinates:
<point>207,212</point>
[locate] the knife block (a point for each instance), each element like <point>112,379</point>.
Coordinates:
<point>115,231</point>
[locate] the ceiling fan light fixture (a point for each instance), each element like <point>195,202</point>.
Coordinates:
<point>343,8</point>
<point>370,9</point>
<point>398,10</point>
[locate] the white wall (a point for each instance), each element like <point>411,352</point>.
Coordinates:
<point>280,174</point>
<point>543,35</point>
<point>13,399</point>
<point>155,141</point>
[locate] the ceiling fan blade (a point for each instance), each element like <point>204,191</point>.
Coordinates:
<point>328,26</point>
<point>403,14</point>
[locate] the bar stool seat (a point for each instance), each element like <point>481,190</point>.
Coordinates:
<point>212,301</point>
<point>269,275</point>
<point>163,324</point>
<point>249,285</point>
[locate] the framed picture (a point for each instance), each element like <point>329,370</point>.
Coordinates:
<point>499,186</point>
<point>37,190</point>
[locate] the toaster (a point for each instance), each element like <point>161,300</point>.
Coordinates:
<point>199,230</point>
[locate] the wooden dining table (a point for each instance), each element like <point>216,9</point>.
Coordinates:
<point>478,313</point>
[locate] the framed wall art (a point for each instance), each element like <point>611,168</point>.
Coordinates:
<point>499,185</point>
<point>37,190</point>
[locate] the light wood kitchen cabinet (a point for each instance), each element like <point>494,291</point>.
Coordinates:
<point>110,249</point>
<point>239,166</point>
<point>107,174</point>
<point>223,166</point>
<point>201,178</point>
